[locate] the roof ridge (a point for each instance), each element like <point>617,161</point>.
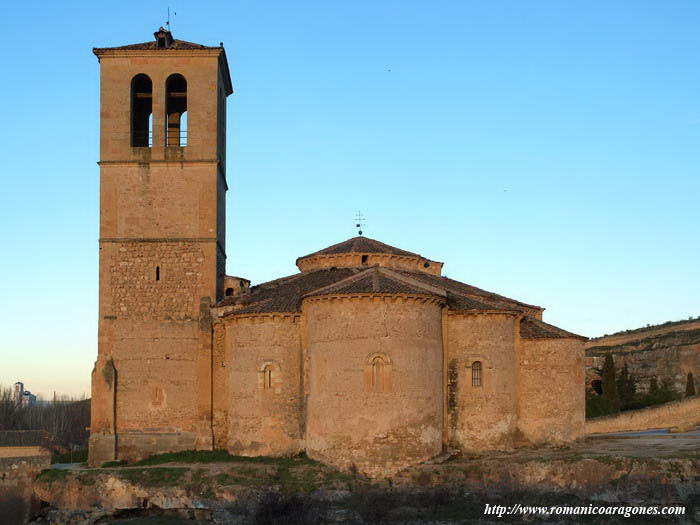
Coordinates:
<point>342,283</point>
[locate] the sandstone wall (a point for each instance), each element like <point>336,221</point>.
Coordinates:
<point>162,257</point>
<point>481,417</point>
<point>551,390</point>
<point>359,260</point>
<point>263,369</point>
<point>679,413</point>
<point>375,381</point>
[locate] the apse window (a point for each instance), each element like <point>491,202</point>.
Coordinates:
<point>267,377</point>
<point>476,373</point>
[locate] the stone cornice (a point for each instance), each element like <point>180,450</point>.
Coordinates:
<point>106,52</point>
<point>427,299</point>
<point>226,316</point>
<point>513,313</point>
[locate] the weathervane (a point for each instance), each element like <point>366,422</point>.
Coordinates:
<point>359,222</point>
<point>167,22</point>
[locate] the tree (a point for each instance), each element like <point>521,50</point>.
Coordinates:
<point>653,385</point>
<point>625,387</point>
<point>690,386</point>
<point>609,384</point>
<point>632,386</point>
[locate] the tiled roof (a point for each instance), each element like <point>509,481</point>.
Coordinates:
<point>286,294</point>
<point>361,245</point>
<point>373,280</point>
<point>23,438</point>
<point>176,44</point>
<point>465,290</point>
<point>531,328</point>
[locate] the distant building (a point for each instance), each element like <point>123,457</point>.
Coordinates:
<point>23,397</point>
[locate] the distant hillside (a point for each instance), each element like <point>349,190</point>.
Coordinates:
<point>650,328</point>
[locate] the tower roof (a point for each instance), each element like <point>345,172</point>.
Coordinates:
<point>361,245</point>
<point>164,42</point>
<point>370,251</point>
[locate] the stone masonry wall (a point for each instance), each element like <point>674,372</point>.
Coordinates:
<point>264,396</point>
<point>375,381</point>
<point>481,417</point>
<point>551,395</point>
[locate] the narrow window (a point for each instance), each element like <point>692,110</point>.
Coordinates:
<point>267,377</point>
<point>377,374</point>
<point>157,273</point>
<point>476,373</point>
<point>175,111</point>
<point>364,259</point>
<point>141,109</point>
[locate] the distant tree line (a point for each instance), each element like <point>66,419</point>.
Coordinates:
<point>65,420</point>
<point>616,392</point>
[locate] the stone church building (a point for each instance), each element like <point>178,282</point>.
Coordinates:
<point>367,357</point>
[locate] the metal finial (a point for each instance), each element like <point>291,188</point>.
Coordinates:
<point>359,222</point>
<point>167,22</point>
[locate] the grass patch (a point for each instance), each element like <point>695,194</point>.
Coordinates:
<point>110,464</point>
<point>153,477</point>
<point>221,456</point>
<point>50,475</point>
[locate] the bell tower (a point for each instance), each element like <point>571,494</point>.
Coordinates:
<point>162,245</point>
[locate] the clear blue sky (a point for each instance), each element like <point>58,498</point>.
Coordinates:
<point>545,150</point>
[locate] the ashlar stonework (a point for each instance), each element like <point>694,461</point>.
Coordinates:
<point>368,358</point>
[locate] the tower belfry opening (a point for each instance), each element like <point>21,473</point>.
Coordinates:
<point>141,111</point>
<point>176,109</point>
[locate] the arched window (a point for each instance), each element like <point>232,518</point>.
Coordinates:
<point>477,379</point>
<point>175,111</point>
<point>267,377</point>
<point>377,374</point>
<point>141,109</point>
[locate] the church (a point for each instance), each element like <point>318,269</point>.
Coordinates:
<point>367,358</point>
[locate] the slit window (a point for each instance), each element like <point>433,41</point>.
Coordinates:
<point>176,111</point>
<point>477,379</point>
<point>267,377</point>
<point>141,111</point>
<point>157,273</point>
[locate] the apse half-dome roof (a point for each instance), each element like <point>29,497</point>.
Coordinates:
<point>365,252</point>
<point>361,245</point>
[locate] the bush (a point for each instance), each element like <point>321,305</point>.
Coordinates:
<point>597,406</point>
